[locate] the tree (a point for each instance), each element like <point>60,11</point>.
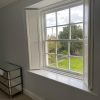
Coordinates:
<point>76,33</point>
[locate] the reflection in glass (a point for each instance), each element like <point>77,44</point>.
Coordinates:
<point>76,64</point>
<point>76,49</point>
<point>51,47</point>
<point>62,62</point>
<point>51,33</point>
<point>63,32</point>
<point>77,31</point>
<point>77,14</point>
<point>51,60</point>
<point>63,17</point>
<point>51,19</point>
<point>62,47</point>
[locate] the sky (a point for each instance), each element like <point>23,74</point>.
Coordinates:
<point>76,14</point>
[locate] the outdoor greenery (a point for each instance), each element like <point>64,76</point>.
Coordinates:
<point>76,59</point>
<point>76,64</point>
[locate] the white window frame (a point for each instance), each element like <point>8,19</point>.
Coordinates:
<point>55,9</point>
<point>35,36</point>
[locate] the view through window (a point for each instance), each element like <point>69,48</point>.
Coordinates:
<point>65,39</point>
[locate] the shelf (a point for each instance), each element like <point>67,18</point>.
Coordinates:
<point>12,67</point>
<point>11,81</point>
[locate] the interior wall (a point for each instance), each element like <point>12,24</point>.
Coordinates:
<point>1,40</point>
<point>15,49</point>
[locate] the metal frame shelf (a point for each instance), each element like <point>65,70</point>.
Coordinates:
<point>11,79</point>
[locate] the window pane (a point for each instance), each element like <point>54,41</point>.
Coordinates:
<point>63,17</point>
<point>63,32</point>
<point>51,33</point>
<point>76,64</point>
<point>62,62</point>
<point>76,49</point>
<point>62,47</point>
<point>77,31</point>
<point>51,19</point>
<point>51,60</point>
<point>51,47</point>
<point>77,14</point>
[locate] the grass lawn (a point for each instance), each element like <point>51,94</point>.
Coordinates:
<point>76,64</point>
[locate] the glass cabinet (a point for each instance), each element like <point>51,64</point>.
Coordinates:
<point>11,81</point>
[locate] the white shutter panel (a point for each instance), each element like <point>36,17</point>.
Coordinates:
<point>32,19</point>
<point>88,46</point>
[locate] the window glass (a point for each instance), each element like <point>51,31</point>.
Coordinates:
<point>51,19</point>
<point>77,14</point>
<point>51,60</point>
<point>64,39</point>
<point>63,32</point>
<point>51,33</point>
<point>62,47</point>
<point>62,61</point>
<point>63,17</point>
<point>77,31</point>
<point>76,64</point>
<point>76,49</point>
<point>51,47</point>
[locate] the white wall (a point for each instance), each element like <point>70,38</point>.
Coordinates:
<point>15,49</point>
<point>1,40</point>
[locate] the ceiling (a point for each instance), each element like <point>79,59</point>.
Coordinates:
<point>5,2</point>
<point>43,3</point>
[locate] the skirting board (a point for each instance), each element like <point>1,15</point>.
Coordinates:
<point>32,95</point>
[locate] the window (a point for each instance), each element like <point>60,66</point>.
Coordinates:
<point>60,38</point>
<point>64,39</point>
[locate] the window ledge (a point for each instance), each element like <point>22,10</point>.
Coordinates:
<point>77,83</point>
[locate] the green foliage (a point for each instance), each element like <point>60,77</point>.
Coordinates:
<point>76,33</point>
<point>63,47</point>
<point>76,64</point>
<point>51,47</point>
<point>51,59</point>
<point>65,52</point>
<point>76,48</point>
<point>65,33</point>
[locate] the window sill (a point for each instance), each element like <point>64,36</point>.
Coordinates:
<point>77,83</point>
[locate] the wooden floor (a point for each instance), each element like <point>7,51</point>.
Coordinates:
<point>3,96</point>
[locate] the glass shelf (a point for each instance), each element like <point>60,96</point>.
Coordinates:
<point>8,67</point>
<point>11,81</point>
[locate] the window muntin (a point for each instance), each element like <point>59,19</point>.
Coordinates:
<point>65,39</point>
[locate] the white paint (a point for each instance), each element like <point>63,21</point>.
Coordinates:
<point>33,38</point>
<point>77,83</point>
<point>45,3</point>
<point>32,95</point>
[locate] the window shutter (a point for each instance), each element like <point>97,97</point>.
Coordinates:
<point>32,19</point>
<point>88,46</point>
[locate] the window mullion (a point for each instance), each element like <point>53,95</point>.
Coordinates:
<point>69,38</point>
<point>45,48</point>
<point>69,55</point>
<point>69,24</point>
<point>56,41</point>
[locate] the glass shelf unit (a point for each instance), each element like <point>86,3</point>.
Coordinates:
<point>11,81</point>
